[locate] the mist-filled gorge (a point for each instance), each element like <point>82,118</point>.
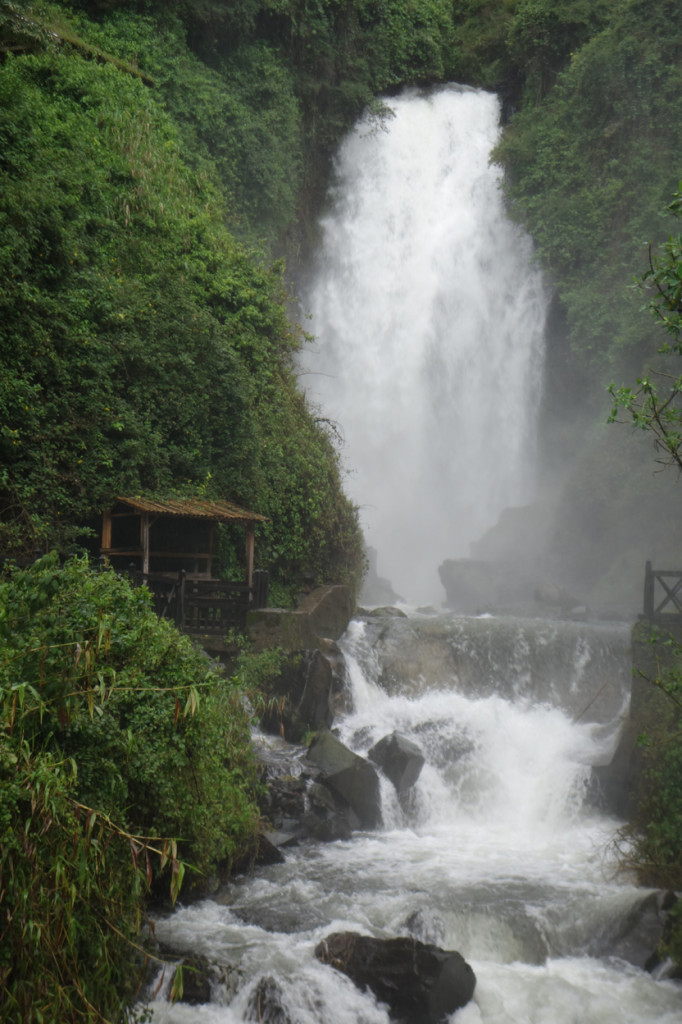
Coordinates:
<point>370,281</point>
<point>429,315</point>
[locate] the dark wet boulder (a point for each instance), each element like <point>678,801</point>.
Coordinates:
<point>421,984</point>
<point>266,1004</point>
<point>350,777</point>
<point>400,760</point>
<point>302,693</point>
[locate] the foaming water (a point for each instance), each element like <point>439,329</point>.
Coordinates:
<point>498,851</point>
<point>429,319</point>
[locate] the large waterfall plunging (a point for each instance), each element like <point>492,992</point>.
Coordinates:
<point>429,321</point>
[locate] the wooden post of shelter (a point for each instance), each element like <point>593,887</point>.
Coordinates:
<point>250,552</point>
<point>144,541</point>
<point>106,534</point>
<point>211,545</point>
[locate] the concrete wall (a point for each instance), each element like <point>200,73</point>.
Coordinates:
<point>324,613</point>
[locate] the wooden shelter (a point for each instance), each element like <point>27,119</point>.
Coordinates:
<point>173,535</point>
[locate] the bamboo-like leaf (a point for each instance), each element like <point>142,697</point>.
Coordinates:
<point>177,876</point>
<point>177,987</point>
<point>89,825</point>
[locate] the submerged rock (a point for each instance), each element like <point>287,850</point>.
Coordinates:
<point>387,610</point>
<point>400,759</point>
<point>266,1004</point>
<point>421,984</point>
<point>196,980</point>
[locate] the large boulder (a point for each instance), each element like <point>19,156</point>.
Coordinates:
<point>421,984</point>
<point>400,760</point>
<point>350,777</point>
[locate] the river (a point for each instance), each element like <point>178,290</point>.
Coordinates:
<point>502,851</point>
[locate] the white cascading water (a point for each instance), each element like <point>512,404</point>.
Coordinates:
<point>429,320</point>
<point>500,852</point>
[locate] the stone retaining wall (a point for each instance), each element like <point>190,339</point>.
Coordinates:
<point>324,613</point>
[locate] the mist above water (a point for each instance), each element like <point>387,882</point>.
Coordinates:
<point>429,319</point>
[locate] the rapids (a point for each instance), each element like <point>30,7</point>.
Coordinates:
<point>501,851</point>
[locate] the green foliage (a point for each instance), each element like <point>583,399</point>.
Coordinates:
<point>121,751</point>
<point>655,404</point>
<point>545,34</point>
<point>589,168</point>
<point>143,350</point>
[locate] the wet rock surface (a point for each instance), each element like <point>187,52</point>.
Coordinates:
<point>324,794</point>
<point>303,696</point>
<point>400,759</point>
<point>196,980</point>
<point>266,1005</point>
<point>420,983</point>
<point>350,777</point>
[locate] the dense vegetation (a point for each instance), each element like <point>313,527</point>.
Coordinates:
<point>143,349</point>
<point>117,738</point>
<point>155,157</point>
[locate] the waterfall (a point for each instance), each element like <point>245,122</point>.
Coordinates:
<point>428,317</point>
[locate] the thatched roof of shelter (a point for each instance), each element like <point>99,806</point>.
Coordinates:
<point>195,508</point>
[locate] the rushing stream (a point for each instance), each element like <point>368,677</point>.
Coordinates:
<point>500,852</point>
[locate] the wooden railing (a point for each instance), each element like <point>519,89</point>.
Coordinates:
<point>662,593</point>
<point>205,607</point>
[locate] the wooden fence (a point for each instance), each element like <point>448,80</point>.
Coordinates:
<point>204,607</point>
<point>662,594</point>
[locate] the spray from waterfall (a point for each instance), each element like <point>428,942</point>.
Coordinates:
<point>429,318</point>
